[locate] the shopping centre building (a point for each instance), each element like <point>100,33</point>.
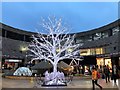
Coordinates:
<point>100,47</point>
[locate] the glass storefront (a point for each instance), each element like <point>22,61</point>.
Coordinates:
<point>108,62</point>
<point>100,61</point>
<point>11,64</point>
<point>104,61</point>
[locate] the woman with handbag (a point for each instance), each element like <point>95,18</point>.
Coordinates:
<point>95,78</point>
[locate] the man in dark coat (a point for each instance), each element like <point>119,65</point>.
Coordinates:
<point>114,73</point>
<point>107,73</point>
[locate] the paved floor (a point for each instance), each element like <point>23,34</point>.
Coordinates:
<point>76,83</point>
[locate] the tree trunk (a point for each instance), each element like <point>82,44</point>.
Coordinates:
<point>55,68</point>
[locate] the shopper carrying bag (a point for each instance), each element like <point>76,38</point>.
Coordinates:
<point>95,77</point>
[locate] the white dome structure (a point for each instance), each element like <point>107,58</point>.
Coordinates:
<point>23,71</point>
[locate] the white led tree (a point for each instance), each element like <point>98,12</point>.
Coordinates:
<point>57,44</point>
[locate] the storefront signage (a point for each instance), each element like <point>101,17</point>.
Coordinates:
<point>13,60</point>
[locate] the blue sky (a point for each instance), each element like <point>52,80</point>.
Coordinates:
<point>80,16</point>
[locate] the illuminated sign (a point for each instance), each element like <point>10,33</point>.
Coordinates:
<point>91,51</point>
<point>13,60</point>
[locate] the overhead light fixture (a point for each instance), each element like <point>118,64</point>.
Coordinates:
<point>24,48</point>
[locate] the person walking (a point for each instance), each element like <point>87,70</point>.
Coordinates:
<point>114,73</point>
<point>107,73</point>
<point>95,78</point>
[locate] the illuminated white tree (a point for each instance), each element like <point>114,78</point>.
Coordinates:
<point>57,44</point>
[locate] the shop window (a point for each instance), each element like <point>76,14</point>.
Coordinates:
<point>97,36</point>
<point>99,51</point>
<point>108,62</point>
<point>104,34</point>
<point>89,38</point>
<point>92,51</point>
<point>100,61</point>
<point>79,40</point>
<point>84,52</point>
<point>115,30</point>
<point>3,32</point>
<point>15,36</point>
<point>114,48</point>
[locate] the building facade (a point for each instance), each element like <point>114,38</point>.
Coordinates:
<point>100,47</point>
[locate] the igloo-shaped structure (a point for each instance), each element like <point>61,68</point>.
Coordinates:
<point>22,71</point>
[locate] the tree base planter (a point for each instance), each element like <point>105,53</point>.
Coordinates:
<point>51,85</point>
<point>54,79</point>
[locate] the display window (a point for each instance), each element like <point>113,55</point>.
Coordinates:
<point>100,61</point>
<point>108,62</point>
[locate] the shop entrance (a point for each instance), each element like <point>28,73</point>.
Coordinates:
<point>101,62</point>
<point>11,64</point>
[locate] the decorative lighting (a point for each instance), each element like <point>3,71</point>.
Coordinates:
<point>69,50</point>
<point>57,50</point>
<point>24,48</point>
